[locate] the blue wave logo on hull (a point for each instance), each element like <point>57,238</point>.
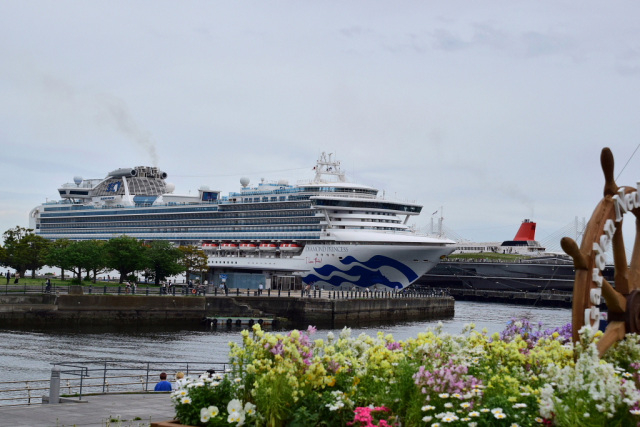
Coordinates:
<point>362,273</point>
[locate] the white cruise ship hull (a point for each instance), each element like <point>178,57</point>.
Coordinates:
<point>337,265</point>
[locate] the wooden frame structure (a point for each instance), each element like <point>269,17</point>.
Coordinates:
<point>605,228</point>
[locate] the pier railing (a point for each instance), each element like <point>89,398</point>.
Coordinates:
<point>315,292</point>
<point>78,379</point>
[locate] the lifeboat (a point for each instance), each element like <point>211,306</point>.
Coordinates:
<point>209,246</point>
<point>248,247</point>
<point>268,246</point>
<point>228,246</point>
<point>290,247</point>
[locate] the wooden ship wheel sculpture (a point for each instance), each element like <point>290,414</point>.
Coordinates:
<point>604,229</point>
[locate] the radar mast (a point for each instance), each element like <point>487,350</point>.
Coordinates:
<point>326,165</point>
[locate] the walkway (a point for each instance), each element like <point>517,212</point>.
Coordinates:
<point>122,410</point>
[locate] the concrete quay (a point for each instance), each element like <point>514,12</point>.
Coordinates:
<point>322,309</point>
<point>122,410</point>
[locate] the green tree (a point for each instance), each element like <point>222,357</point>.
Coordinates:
<point>56,255</point>
<point>164,260</point>
<point>36,252</point>
<point>126,255</point>
<point>194,260</point>
<point>84,255</point>
<point>24,250</point>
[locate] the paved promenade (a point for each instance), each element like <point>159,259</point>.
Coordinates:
<point>104,410</point>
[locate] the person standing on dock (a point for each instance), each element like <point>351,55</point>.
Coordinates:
<point>163,385</point>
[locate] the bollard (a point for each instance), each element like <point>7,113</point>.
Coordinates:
<point>54,385</point>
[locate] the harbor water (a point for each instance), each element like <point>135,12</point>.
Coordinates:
<point>28,354</point>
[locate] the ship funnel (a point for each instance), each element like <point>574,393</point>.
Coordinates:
<point>526,232</point>
<point>123,172</point>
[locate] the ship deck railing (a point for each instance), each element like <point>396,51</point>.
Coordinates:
<point>81,378</point>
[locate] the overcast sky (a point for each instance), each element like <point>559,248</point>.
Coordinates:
<point>495,111</point>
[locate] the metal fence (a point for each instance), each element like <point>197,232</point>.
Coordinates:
<point>78,379</point>
<point>353,293</point>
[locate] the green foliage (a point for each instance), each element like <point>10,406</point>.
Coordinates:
<point>163,260</point>
<point>275,395</point>
<point>487,255</point>
<point>194,260</point>
<point>23,250</point>
<point>126,255</point>
<point>203,397</point>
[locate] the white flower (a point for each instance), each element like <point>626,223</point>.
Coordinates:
<point>249,408</point>
<point>443,395</point>
<point>448,405</point>
<point>496,411</point>
<point>213,411</point>
<point>236,417</point>
<point>204,415</point>
<point>427,418</point>
<point>428,407</point>
<point>186,400</point>
<point>635,411</point>
<point>234,407</point>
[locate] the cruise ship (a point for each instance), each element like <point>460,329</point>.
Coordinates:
<point>327,231</point>
<point>532,269</point>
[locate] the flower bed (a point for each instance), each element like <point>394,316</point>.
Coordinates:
<point>521,377</point>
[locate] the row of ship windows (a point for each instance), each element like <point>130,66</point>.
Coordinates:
<point>368,220</point>
<point>313,190</point>
<point>184,230</point>
<point>365,228</point>
<point>264,199</point>
<point>191,239</point>
<point>370,205</point>
<point>213,216</point>
<point>89,210</point>
<point>201,223</point>
<point>231,207</point>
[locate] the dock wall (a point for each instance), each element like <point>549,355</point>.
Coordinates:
<point>104,310</point>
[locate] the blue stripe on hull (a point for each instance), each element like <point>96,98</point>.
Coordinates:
<point>361,276</point>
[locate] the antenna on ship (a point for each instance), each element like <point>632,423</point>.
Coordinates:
<point>440,221</point>
<point>328,166</point>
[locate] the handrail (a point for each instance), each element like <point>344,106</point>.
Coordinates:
<point>79,378</point>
